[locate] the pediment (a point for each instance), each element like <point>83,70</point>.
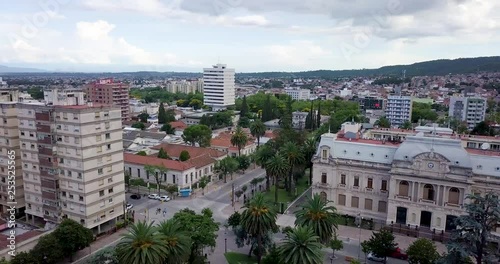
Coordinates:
<point>431,156</point>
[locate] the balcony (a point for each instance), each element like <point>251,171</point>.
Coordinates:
<point>427,201</point>
<point>51,208</point>
<point>51,218</point>
<point>47,164</point>
<point>46,173</point>
<point>45,151</point>
<point>453,205</point>
<point>43,128</point>
<point>403,197</point>
<point>49,196</point>
<point>42,116</point>
<point>322,185</point>
<point>45,140</point>
<point>49,184</point>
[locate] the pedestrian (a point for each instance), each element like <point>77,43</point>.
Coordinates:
<point>164,212</point>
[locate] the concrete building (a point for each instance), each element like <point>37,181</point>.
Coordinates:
<point>218,87</point>
<point>108,92</point>
<point>185,86</point>
<point>298,94</point>
<point>398,109</point>
<point>421,181</point>
<point>468,109</point>
<point>72,161</point>
<point>299,119</point>
<point>10,154</point>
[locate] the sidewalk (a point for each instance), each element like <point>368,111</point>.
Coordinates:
<point>102,242</point>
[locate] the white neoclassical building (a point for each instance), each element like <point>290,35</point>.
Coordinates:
<point>420,181</point>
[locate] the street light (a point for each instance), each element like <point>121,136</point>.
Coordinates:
<point>225,245</point>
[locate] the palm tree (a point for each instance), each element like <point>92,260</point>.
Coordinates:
<point>258,219</point>
<point>322,219</point>
<point>309,150</point>
<point>257,129</point>
<point>277,167</point>
<point>177,241</point>
<point>239,139</point>
<point>301,246</point>
<point>262,155</point>
<point>142,245</point>
<point>294,156</point>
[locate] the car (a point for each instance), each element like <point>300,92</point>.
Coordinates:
<point>399,254</point>
<point>154,196</point>
<point>164,198</point>
<point>135,196</point>
<point>374,257</point>
<point>129,206</point>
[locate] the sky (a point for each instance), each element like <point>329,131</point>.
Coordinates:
<point>248,35</point>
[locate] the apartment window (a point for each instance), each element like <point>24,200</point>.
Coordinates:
<point>356,181</point>
<point>77,140</point>
<point>106,124</point>
<point>81,198</point>
<point>99,149</point>
<point>101,193</point>
<point>63,194</point>
<point>101,182</point>
<point>98,138</point>
<point>99,171</point>
<point>70,196</point>
<point>111,211</point>
<point>69,174</point>
<point>80,186</point>
<point>382,206</point>
<point>108,147</point>
<point>110,180</point>
<point>108,158</point>
<point>79,175</point>
<point>106,114</point>
<point>324,154</point>
<point>108,136</point>
<point>65,128</point>
<point>354,202</point>
<point>110,200</point>
<point>370,183</point>
<point>368,204</point>
<point>99,160</point>
<point>341,199</point>
<point>110,190</point>
<point>110,168</point>
<point>384,185</point>
<point>323,177</point>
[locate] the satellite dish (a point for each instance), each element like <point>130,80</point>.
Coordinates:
<point>485,146</point>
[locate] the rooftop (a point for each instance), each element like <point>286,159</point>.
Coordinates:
<point>150,160</point>
<point>174,150</point>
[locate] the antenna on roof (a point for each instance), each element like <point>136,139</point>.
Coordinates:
<point>329,128</point>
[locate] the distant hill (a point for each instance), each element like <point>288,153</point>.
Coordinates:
<point>5,69</point>
<point>426,68</point>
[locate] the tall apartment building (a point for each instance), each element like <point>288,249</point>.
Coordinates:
<point>218,87</point>
<point>185,86</point>
<point>72,160</point>
<point>109,92</point>
<point>298,94</point>
<point>398,109</point>
<point>468,109</point>
<point>10,173</point>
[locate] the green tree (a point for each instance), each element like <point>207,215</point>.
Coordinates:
<point>335,244</point>
<point>177,240</point>
<point>483,129</point>
<point>142,153</point>
<point>172,189</point>
<point>383,122</point>
<point>36,93</point>
<point>162,154</point>
<point>322,219</point>
<point>273,256</point>
<point>309,150</point>
<point>239,139</point>
<point>407,125</point>
<point>202,183</point>
<point>244,122</point>
<point>126,177</point>
<point>169,116</point>
<point>168,129</point>
<point>258,218</point>
<point>196,104</point>
<point>243,162</point>
<point>184,155</point>
<point>262,155</point>
<point>139,125</point>
<point>49,249</point>
<point>244,108</point>
<point>382,244</point>
<point>471,238</point>
<point>202,229</point>
<point>422,251</point>
<point>234,219</point>
<point>294,157</point>
<point>24,258</point>
<point>142,245</point>
<point>107,255</point>
<point>286,116</point>
<point>277,167</point>
<point>143,117</point>
<point>226,166</point>
<point>267,110</point>
<point>137,182</point>
<point>318,115</point>
<point>198,134</point>
<point>72,236</point>
<point>258,130</point>
<point>301,246</point>
<point>162,115</point>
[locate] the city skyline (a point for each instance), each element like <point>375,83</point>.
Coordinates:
<point>176,35</point>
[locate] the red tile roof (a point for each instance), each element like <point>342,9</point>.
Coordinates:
<point>370,141</point>
<point>179,125</point>
<point>174,150</point>
<point>482,152</point>
<point>149,160</point>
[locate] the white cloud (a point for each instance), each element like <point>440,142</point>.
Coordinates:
<point>298,53</point>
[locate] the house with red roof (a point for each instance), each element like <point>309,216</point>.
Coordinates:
<point>222,142</point>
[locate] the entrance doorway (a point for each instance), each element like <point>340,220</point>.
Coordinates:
<point>401,215</point>
<point>425,218</point>
<point>450,223</point>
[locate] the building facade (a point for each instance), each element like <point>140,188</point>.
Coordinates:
<point>72,162</point>
<point>398,109</point>
<point>218,87</point>
<point>471,110</point>
<point>422,181</point>
<point>109,92</point>
<point>298,94</point>
<point>185,86</point>
<point>11,178</point>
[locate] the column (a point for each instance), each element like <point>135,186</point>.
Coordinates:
<point>438,198</point>
<point>417,192</point>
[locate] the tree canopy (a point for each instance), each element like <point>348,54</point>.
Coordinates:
<point>197,134</point>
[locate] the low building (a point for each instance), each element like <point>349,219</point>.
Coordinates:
<point>135,141</point>
<point>179,127</point>
<point>298,94</point>
<point>222,142</point>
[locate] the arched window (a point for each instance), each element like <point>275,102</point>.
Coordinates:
<point>322,195</point>
<point>454,196</point>
<point>404,187</point>
<point>429,192</point>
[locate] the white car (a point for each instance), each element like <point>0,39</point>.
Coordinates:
<point>164,198</point>
<point>129,206</point>
<point>375,258</point>
<point>154,196</point>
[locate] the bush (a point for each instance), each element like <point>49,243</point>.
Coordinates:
<point>286,230</point>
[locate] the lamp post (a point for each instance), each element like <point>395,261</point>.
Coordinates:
<point>225,245</point>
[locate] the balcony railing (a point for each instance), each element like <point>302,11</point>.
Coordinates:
<point>49,196</point>
<point>45,140</point>
<point>404,197</point>
<point>50,218</point>
<point>43,128</point>
<point>427,201</point>
<point>453,205</point>
<point>322,185</point>
<point>42,116</point>
<point>45,151</point>
<point>47,164</point>
<point>49,184</point>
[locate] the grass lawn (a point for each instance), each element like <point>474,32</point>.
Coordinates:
<point>239,258</point>
<point>283,196</point>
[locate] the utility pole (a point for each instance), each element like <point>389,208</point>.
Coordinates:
<point>232,195</point>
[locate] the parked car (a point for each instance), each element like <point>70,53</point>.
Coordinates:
<point>129,206</point>
<point>164,198</point>
<point>375,258</point>
<point>399,254</point>
<point>154,196</point>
